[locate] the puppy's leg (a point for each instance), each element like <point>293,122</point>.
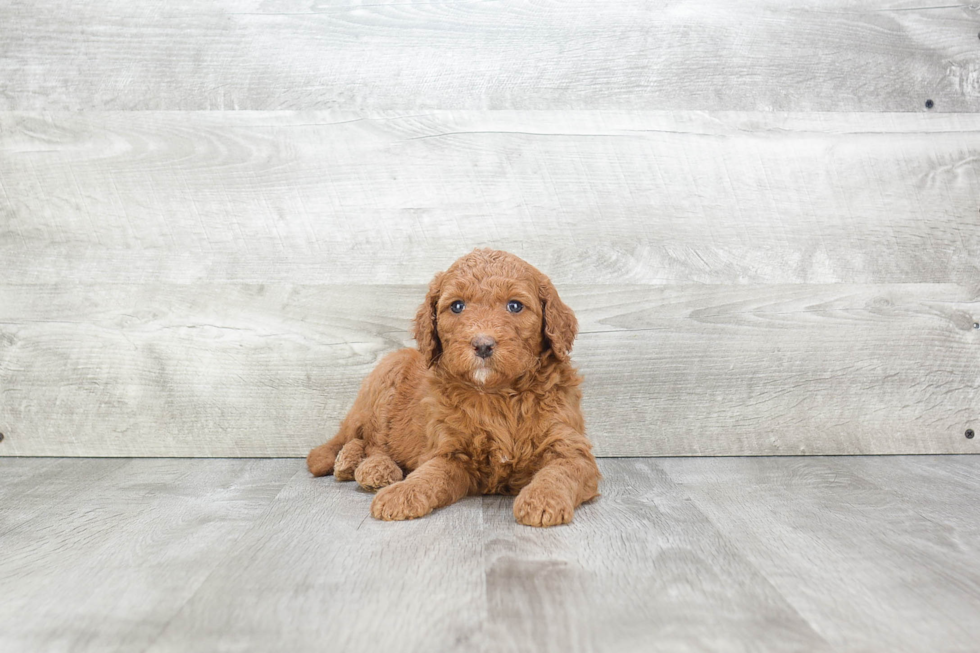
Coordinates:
<point>348,460</point>
<point>378,470</point>
<point>321,460</point>
<point>436,483</point>
<point>556,490</point>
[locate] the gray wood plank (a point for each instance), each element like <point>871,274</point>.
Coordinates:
<point>269,370</point>
<point>109,562</point>
<point>960,470</point>
<point>316,573</point>
<point>786,370</point>
<point>18,474</point>
<point>941,489</point>
<point>639,569</point>
<point>33,486</point>
<point>721,554</point>
<point>589,197</point>
<point>765,55</point>
<point>861,563</point>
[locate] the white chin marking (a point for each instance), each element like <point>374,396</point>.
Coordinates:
<point>480,375</point>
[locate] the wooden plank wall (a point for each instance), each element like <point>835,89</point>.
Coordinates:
<point>215,217</point>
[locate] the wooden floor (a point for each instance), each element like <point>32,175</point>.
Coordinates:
<point>679,554</point>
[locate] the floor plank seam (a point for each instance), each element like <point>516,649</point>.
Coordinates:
<point>88,492</point>
<point>231,546</point>
<point>743,555</point>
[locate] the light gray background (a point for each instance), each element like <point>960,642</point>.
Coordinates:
<point>216,217</point>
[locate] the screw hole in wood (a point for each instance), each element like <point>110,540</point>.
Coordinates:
<point>1,437</point>
<point>969,434</point>
<point>930,104</point>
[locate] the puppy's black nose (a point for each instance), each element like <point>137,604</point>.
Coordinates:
<point>483,345</point>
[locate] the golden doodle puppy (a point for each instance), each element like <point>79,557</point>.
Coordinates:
<point>487,404</point>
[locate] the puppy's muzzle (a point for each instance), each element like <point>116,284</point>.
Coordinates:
<point>483,346</point>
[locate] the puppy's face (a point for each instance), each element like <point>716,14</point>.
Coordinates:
<point>490,328</point>
<point>491,317</point>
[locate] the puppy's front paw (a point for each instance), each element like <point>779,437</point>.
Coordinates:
<point>539,506</point>
<point>404,500</point>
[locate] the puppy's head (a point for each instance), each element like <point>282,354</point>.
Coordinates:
<point>491,317</point>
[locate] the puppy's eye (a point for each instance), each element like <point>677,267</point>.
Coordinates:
<point>515,306</point>
<point>457,306</point>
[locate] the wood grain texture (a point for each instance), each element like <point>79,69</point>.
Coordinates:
<point>811,554</point>
<point>269,370</point>
<point>589,197</point>
<point>34,486</point>
<point>115,548</point>
<point>951,502</point>
<point>759,55</point>
<point>215,216</point>
<point>639,569</point>
<point>317,572</point>
<point>808,526</point>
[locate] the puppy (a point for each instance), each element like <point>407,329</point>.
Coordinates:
<point>488,404</point>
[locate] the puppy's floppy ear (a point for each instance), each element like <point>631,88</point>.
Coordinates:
<point>424,329</point>
<point>558,320</point>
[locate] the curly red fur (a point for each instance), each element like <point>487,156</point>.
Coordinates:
<point>461,423</point>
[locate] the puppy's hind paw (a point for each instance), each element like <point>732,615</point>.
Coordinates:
<point>348,459</point>
<point>536,506</point>
<point>377,471</point>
